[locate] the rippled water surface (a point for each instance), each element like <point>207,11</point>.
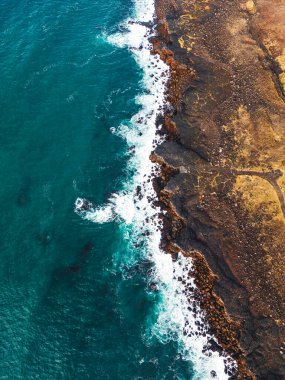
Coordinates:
<point>71,307</point>
<point>86,292</point>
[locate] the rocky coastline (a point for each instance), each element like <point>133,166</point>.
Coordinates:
<point>222,166</point>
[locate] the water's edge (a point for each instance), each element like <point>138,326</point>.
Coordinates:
<point>179,317</point>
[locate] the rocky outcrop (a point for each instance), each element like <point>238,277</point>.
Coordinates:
<point>225,190</point>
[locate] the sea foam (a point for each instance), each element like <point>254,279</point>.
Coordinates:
<point>179,317</point>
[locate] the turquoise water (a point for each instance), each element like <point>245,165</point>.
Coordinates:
<point>76,301</point>
<point>86,291</point>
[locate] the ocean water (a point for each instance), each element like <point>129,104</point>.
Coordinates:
<point>85,290</point>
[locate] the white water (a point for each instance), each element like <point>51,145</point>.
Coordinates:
<point>176,320</point>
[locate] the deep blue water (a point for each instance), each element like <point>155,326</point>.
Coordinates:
<point>67,311</point>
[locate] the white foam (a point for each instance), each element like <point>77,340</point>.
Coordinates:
<point>100,215</point>
<point>135,211</point>
<point>181,319</point>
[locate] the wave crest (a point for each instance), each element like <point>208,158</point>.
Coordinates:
<point>178,316</point>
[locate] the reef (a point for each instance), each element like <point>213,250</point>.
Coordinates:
<point>223,168</point>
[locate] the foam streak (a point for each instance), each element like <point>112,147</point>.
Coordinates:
<point>179,317</point>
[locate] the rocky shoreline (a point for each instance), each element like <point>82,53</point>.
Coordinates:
<point>222,181</point>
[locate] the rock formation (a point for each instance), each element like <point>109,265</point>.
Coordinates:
<point>225,156</point>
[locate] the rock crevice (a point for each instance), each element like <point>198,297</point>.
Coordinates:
<point>226,149</point>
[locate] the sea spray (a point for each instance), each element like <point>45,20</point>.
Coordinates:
<point>178,316</point>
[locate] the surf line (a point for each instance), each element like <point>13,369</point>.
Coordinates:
<point>178,315</point>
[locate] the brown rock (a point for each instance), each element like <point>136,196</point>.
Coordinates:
<point>224,191</point>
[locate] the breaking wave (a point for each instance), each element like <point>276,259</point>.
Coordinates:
<point>178,316</point>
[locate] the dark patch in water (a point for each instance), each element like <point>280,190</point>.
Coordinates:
<point>22,198</point>
<point>87,248</point>
<point>44,238</point>
<point>74,268</point>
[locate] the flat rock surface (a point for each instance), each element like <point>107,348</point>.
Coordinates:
<point>227,142</point>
